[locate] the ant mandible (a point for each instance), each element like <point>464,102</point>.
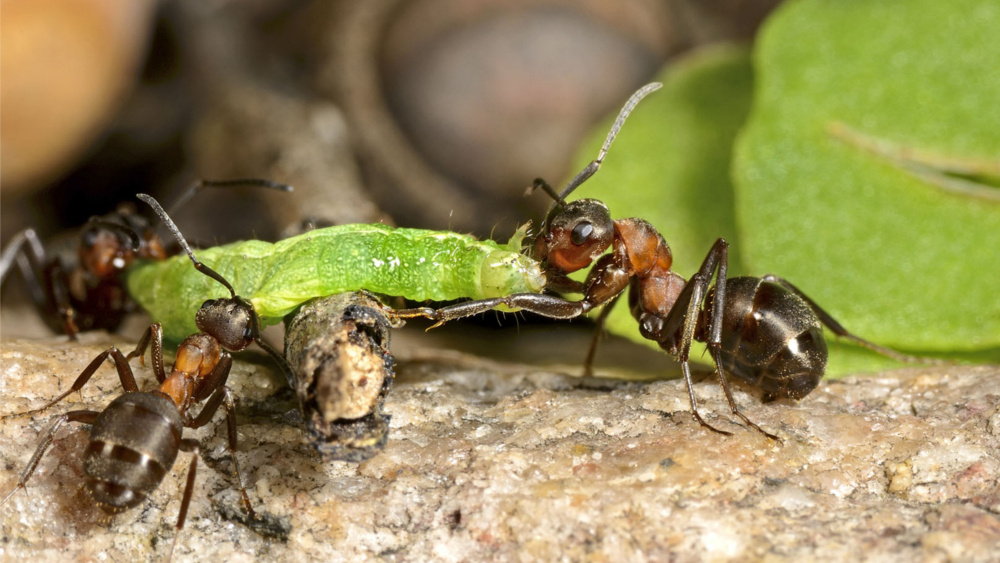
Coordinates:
<point>90,294</point>
<point>762,330</point>
<point>135,440</point>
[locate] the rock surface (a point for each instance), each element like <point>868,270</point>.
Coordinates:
<point>491,461</point>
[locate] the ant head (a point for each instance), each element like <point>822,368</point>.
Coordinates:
<point>576,234</point>
<point>231,321</point>
<point>107,248</point>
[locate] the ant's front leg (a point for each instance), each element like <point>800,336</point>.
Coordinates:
<point>121,365</point>
<point>153,334</point>
<point>27,250</point>
<point>47,281</point>
<point>607,279</point>
<point>546,305</point>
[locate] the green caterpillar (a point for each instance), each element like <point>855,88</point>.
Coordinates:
<point>276,278</point>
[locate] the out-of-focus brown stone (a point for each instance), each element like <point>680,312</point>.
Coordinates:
<point>491,461</point>
<point>64,66</point>
<point>454,107</point>
<point>250,131</point>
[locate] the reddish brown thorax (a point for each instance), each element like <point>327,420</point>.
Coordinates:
<point>197,356</point>
<point>648,254</point>
<point>650,259</point>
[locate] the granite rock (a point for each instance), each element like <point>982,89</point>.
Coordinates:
<point>492,461</point>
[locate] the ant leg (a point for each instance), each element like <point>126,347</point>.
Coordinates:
<point>561,283</point>
<point>591,168</point>
<point>588,362</point>
<point>121,365</point>
<point>684,316</point>
<point>838,329</point>
<point>59,285</point>
<point>545,305</point>
<point>154,334</point>
<point>186,445</point>
<point>277,357</point>
<point>718,259</point>
<point>224,396</point>
<point>47,284</point>
<point>24,242</point>
<point>84,417</point>
<point>216,379</point>
<point>541,184</point>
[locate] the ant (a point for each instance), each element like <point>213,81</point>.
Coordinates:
<point>762,330</point>
<point>90,294</point>
<point>135,440</point>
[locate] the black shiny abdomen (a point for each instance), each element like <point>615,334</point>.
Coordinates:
<point>133,444</point>
<point>771,338</point>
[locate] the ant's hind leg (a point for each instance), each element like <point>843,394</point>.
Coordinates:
<point>838,329</point>
<point>124,375</point>
<point>186,445</point>
<point>83,417</point>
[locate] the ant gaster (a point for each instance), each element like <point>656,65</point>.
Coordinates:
<point>135,440</point>
<point>91,295</point>
<point>762,330</point>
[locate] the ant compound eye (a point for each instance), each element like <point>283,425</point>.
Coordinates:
<point>582,232</point>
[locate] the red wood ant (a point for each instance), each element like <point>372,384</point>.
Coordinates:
<point>90,294</point>
<point>135,440</point>
<point>762,330</point>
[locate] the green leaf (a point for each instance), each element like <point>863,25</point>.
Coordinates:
<point>670,163</point>
<point>867,173</point>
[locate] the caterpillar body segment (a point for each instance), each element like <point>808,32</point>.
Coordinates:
<point>276,278</point>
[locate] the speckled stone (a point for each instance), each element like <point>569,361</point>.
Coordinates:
<point>491,461</point>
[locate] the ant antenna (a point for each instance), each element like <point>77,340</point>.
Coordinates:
<point>180,238</point>
<point>255,321</point>
<point>596,163</point>
<point>129,232</point>
<point>541,184</point>
<point>559,199</point>
<point>199,185</point>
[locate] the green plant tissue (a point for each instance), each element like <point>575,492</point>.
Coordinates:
<point>867,171</point>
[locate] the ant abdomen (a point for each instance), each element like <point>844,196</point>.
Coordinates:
<point>133,443</point>
<point>771,338</point>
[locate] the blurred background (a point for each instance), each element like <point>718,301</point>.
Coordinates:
<point>427,113</point>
